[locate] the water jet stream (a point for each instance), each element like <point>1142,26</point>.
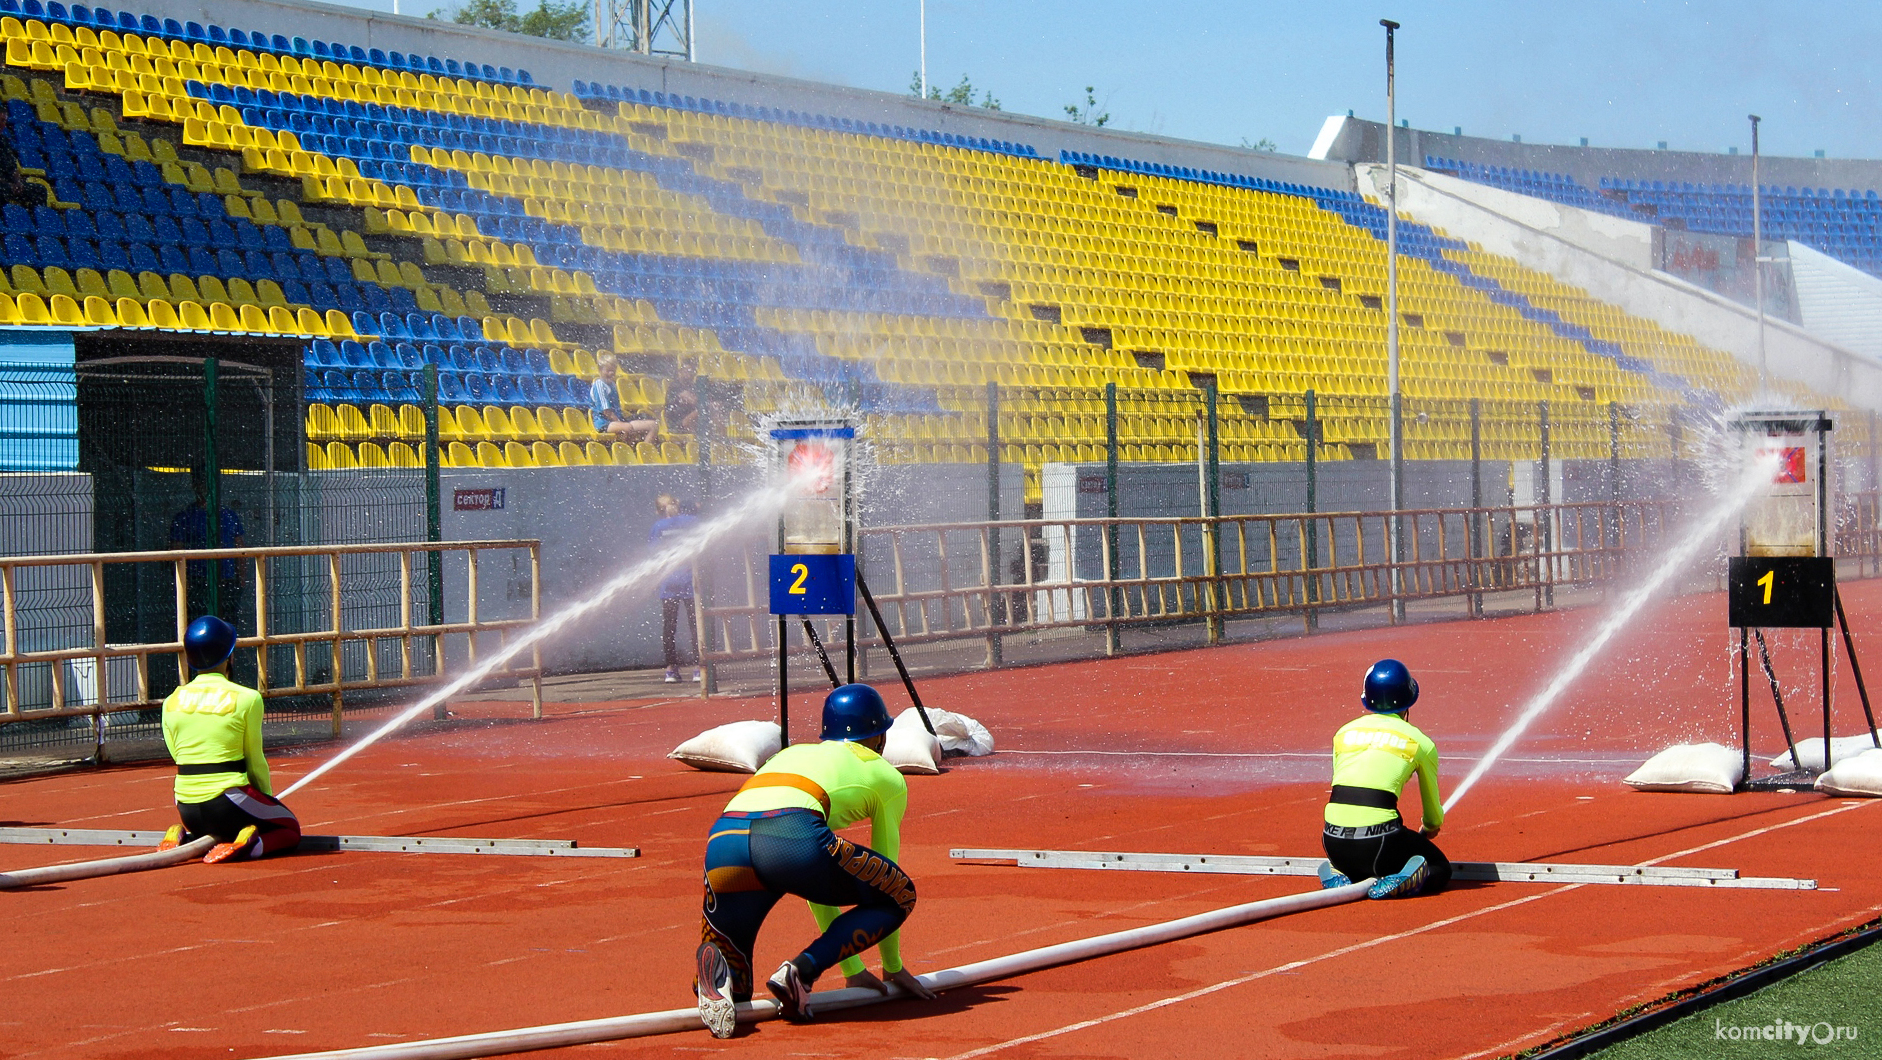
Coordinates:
<point>1754,481</point>
<point>767,502</point>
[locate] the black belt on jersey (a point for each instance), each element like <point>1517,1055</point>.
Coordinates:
<point>197,769</point>
<point>1376,798</point>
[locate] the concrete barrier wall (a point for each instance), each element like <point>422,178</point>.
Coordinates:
<point>594,521</point>
<point>1359,140</point>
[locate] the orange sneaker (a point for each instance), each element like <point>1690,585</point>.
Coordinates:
<point>171,839</point>
<point>244,842</point>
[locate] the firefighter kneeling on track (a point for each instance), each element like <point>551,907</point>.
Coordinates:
<point>212,727</point>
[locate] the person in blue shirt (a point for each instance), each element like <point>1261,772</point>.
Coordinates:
<point>190,529</point>
<point>677,589</point>
<point>604,405</point>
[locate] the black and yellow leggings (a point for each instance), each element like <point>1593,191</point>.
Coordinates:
<point>752,860</point>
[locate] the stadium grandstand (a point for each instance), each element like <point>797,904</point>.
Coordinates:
<point>443,248</point>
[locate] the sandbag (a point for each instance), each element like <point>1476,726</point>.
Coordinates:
<point>1811,751</point>
<point>911,748</point>
<point>1856,775</point>
<point>960,734</point>
<point>738,747</point>
<point>1707,768</point>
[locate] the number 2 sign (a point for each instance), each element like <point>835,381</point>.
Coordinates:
<point>822,584</point>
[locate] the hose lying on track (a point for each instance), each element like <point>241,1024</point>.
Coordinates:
<point>85,870</point>
<point>556,1035</point>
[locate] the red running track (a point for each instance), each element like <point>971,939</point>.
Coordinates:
<point>1202,751</point>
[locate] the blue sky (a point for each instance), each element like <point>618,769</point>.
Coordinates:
<point>1624,73</point>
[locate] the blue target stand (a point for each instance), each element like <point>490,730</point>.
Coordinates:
<point>813,571</point>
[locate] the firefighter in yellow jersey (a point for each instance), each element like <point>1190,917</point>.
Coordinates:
<point>212,727</point>
<point>1373,756</point>
<point>775,838</point>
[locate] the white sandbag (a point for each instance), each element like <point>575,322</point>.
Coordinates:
<point>960,734</point>
<point>1708,768</point>
<point>740,747</point>
<point>1856,775</point>
<point>911,748</point>
<point>1811,751</point>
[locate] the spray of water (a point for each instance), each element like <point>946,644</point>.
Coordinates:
<point>1702,533</point>
<point>765,503</point>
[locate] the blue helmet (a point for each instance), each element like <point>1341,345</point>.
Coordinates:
<point>854,712</point>
<point>208,642</point>
<point>1390,688</point>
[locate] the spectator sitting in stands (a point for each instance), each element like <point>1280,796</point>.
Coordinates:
<point>604,402</point>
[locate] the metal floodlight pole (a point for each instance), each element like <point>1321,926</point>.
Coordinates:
<point>1391,320</point>
<point>1757,254</point>
<point>922,14</point>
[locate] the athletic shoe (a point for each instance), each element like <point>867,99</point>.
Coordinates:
<point>672,677</point>
<point>793,996</point>
<point>172,838</point>
<point>713,985</point>
<point>244,842</point>
<point>1403,884</point>
<point>698,676</point>
<point>1330,879</point>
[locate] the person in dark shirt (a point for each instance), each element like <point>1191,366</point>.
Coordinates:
<point>190,529</point>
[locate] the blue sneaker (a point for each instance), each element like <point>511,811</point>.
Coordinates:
<point>1330,879</point>
<point>1404,883</point>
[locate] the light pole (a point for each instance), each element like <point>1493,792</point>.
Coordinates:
<point>1391,320</point>
<point>1757,254</point>
<point>922,10</point>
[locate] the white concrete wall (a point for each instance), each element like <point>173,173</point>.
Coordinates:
<point>1711,319</point>
<point>1839,302</point>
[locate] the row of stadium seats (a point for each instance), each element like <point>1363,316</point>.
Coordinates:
<point>616,94</point>
<point>921,270</point>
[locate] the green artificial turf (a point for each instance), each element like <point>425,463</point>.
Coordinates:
<point>1829,1002</point>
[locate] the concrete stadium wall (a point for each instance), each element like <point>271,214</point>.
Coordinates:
<point>556,64</point>
<point>1455,207</point>
<point>1345,139</point>
<point>1839,302</point>
<point>594,521</point>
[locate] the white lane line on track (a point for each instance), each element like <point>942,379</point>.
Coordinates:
<point>1629,762</point>
<point>1251,977</point>
<point>1368,944</point>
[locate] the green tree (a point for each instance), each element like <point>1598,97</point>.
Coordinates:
<point>1263,144</point>
<point>961,94</point>
<point>1090,113</point>
<point>552,19</point>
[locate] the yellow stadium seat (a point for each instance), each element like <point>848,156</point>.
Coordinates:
<point>317,457</point>
<point>403,455</point>
<point>545,455</point>
<point>340,456</point>
<point>352,423</point>
<point>371,455</point>
<point>460,455</point>
<point>322,424</point>
<point>516,454</point>
<point>600,455</point>
<point>489,454</point>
